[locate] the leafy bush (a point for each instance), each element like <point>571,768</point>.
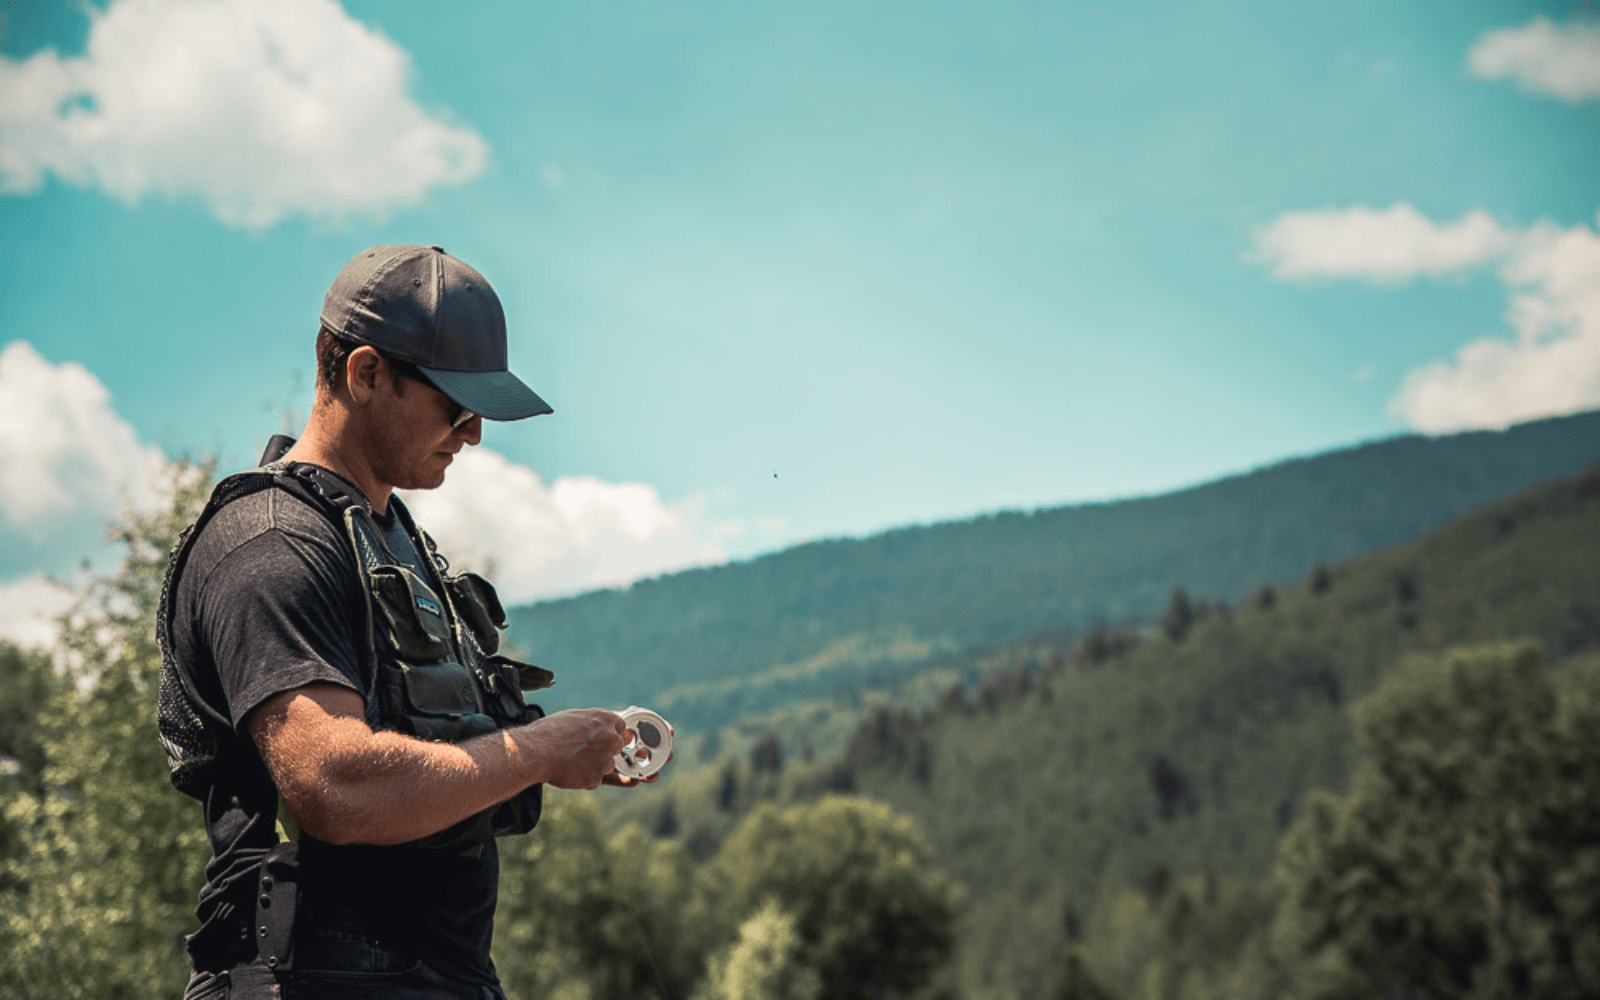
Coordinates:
<point>109,857</point>
<point>872,920</point>
<point>764,963</point>
<point>1465,859</point>
<point>589,914</point>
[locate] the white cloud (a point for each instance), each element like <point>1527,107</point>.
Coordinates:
<point>262,108</point>
<point>1542,58</point>
<point>66,457</point>
<point>1553,365</point>
<point>577,533</point>
<point>29,608</point>
<point>1394,244</point>
<point>1550,367</point>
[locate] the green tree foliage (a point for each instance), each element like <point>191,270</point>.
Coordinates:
<point>764,963</point>
<point>873,920</point>
<point>1465,859</point>
<point>1070,979</point>
<point>1463,862</point>
<point>767,756</point>
<point>1180,615</point>
<point>1195,937</point>
<point>590,915</point>
<point>28,683</point>
<point>1059,795</point>
<point>110,856</point>
<point>887,738</point>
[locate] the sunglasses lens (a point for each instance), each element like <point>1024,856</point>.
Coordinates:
<point>459,414</point>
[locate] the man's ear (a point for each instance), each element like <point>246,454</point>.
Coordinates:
<point>363,368</point>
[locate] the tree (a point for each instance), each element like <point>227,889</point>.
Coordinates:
<point>587,914</point>
<point>1180,615</point>
<point>111,856</point>
<point>872,919</point>
<point>1191,937</point>
<point>763,964</point>
<point>767,756</point>
<point>1465,859</point>
<point>28,684</point>
<point>1070,979</point>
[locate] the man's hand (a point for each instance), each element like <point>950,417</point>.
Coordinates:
<point>616,780</point>
<point>578,745</point>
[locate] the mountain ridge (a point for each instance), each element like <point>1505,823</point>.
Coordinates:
<point>968,583</point>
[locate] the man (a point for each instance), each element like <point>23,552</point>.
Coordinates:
<point>331,693</point>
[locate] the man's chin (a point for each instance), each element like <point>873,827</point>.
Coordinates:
<point>425,481</point>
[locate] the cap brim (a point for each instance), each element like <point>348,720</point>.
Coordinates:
<point>491,395</point>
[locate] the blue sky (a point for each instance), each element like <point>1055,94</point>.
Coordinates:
<point>792,271</point>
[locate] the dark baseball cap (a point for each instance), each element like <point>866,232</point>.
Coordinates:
<point>421,305</point>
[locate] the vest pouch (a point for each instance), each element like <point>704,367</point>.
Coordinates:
<point>440,701</point>
<point>479,607</point>
<point>506,680</point>
<point>520,813</point>
<point>529,677</point>
<point>408,617</point>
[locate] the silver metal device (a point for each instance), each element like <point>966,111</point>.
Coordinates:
<point>649,743</point>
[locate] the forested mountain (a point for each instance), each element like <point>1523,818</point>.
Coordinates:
<point>1188,746</point>
<point>709,646</point>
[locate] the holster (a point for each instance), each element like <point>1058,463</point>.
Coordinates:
<point>276,902</point>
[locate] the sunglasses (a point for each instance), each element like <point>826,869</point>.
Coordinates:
<point>457,413</point>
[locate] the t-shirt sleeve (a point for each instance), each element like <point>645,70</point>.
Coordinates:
<point>278,614</point>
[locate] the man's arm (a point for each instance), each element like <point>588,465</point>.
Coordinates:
<point>346,784</point>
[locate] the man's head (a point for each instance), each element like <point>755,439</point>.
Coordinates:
<point>410,354</point>
<point>423,307</point>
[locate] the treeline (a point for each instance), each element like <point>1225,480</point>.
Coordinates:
<point>1461,861</point>
<point>718,644</point>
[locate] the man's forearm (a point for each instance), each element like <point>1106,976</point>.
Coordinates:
<point>398,788</point>
<point>345,783</point>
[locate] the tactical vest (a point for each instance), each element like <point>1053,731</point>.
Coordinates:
<point>433,670</point>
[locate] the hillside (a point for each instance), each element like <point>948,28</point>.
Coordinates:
<point>713,645</point>
<point>1190,751</point>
